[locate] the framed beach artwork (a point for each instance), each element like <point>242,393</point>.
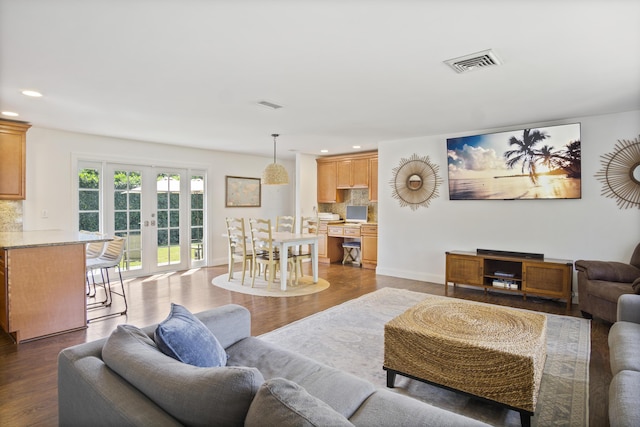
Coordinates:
<point>242,192</point>
<point>532,163</point>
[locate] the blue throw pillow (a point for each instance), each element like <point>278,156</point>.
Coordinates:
<point>185,338</point>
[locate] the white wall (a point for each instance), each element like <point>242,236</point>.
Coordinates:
<point>307,184</point>
<point>412,244</point>
<point>50,175</point>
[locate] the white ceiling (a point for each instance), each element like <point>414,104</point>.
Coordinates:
<point>191,72</point>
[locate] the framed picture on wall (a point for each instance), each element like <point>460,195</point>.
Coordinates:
<point>242,192</point>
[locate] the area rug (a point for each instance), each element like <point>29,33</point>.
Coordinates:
<point>305,286</point>
<point>350,337</point>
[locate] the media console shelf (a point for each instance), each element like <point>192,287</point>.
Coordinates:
<point>541,277</point>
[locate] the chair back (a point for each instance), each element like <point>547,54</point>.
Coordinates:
<point>237,236</point>
<point>113,252</point>
<point>93,249</point>
<point>309,225</point>
<point>261,238</point>
<point>635,257</point>
<point>286,223</point>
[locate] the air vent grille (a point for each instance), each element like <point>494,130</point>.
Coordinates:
<point>269,105</point>
<point>474,61</point>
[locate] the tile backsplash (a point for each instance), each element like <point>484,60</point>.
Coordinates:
<point>358,197</point>
<point>10,215</point>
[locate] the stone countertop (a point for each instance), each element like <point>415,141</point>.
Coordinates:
<point>28,239</point>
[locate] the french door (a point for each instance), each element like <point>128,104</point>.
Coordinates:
<point>149,207</point>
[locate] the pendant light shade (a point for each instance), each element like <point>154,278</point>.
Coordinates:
<point>275,174</point>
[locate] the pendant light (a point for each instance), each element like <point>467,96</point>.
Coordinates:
<point>275,174</point>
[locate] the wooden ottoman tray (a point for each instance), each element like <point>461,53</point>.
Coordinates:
<point>491,352</point>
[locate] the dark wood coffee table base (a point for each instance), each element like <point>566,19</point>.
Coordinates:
<point>525,416</point>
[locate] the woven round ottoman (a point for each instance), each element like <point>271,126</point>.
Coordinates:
<point>494,353</point>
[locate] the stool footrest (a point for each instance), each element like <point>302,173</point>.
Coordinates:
<point>351,245</point>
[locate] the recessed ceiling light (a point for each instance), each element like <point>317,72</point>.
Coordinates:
<point>324,151</point>
<point>356,146</point>
<point>10,114</point>
<point>32,93</point>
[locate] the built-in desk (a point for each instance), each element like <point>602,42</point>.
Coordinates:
<point>42,282</point>
<point>331,235</point>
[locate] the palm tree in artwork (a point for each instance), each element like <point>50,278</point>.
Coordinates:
<point>525,152</point>
<point>569,159</point>
<point>547,157</point>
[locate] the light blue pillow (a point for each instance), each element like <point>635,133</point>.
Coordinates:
<point>185,338</point>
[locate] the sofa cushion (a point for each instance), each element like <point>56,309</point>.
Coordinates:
<point>624,347</point>
<point>282,403</point>
<point>623,399</point>
<point>387,408</point>
<point>636,285</point>
<point>185,338</point>
<point>191,394</point>
<point>342,391</point>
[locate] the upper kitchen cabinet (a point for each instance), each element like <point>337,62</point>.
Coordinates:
<point>373,179</point>
<point>338,173</point>
<point>353,173</point>
<point>327,190</point>
<point>13,159</point>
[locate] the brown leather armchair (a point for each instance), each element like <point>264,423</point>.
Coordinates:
<point>600,284</point>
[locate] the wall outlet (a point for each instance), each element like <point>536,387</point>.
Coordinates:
<point>45,213</point>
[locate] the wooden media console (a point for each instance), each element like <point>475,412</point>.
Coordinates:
<point>540,277</point>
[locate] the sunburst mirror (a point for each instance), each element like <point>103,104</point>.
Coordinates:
<point>620,173</point>
<point>415,182</point>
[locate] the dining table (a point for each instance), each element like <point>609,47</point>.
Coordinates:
<point>286,240</point>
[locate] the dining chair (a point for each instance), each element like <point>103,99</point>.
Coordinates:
<point>264,250</point>
<point>238,250</point>
<point>286,223</point>
<point>110,258</point>
<point>308,225</point>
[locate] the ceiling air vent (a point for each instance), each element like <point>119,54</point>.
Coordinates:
<point>474,61</point>
<point>269,105</point>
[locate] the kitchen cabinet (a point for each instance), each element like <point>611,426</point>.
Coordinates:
<point>369,246</point>
<point>373,179</point>
<point>336,174</point>
<point>352,173</point>
<point>43,283</point>
<point>329,248</point>
<point>13,163</point>
<point>327,187</point>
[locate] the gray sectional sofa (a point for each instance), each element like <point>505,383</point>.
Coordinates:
<point>624,356</point>
<point>124,380</point>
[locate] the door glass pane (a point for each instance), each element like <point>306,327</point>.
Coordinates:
<point>89,199</point>
<point>168,205</point>
<point>127,186</point>
<point>197,217</point>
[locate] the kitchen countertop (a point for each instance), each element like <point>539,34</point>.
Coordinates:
<point>28,239</point>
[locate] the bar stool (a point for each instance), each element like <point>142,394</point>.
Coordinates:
<point>351,252</point>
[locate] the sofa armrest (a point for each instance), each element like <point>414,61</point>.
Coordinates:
<point>610,271</point>
<point>629,308</point>
<point>229,323</point>
<point>90,394</point>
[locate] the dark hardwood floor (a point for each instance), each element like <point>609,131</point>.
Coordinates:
<point>28,372</point>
